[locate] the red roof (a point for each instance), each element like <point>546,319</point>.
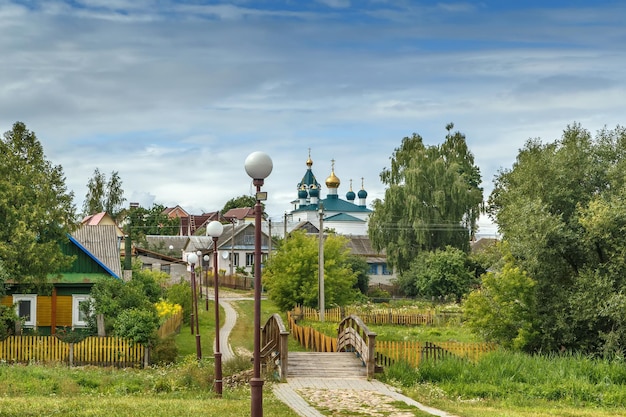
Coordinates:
<point>94,219</point>
<point>239,213</point>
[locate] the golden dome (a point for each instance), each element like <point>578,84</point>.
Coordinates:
<point>332,181</point>
<point>309,162</point>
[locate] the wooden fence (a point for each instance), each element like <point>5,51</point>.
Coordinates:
<point>378,316</point>
<point>236,282</point>
<point>172,325</point>
<point>389,352</point>
<point>102,351</point>
<point>311,338</point>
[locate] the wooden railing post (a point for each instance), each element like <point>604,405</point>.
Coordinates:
<point>371,359</point>
<point>284,353</point>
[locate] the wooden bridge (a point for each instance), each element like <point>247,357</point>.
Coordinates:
<point>352,356</point>
<point>355,350</point>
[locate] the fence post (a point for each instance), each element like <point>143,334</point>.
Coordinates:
<point>71,355</point>
<point>146,357</point>
<point>284,353</point>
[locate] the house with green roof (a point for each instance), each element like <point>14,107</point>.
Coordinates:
<point>97,257</point>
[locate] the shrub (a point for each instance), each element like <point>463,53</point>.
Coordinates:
<point>164,351</point>
<point>140,326</point>
<point>181,294</point>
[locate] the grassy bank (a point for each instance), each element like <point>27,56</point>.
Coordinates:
<point>516,385</point>
<point>178,390</point>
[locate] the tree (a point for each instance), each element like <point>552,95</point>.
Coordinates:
<point>360,267</point>
<point>503,310</point>
<point>560,209</point>
<point>239,202</point>
<point>291,274</point>
<point>103,195</point>
<point>440,273</point>
<point>433,199</point>
<point>113,296</point>
<point>36,210</point>
<point>151,221</point>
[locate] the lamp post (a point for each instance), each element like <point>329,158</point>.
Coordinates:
<point>193,260</point>
<point>215,230</point>
<point>258,166</point>
<point>206,281</point>
<point>321,265</point>
<point>199,280</point>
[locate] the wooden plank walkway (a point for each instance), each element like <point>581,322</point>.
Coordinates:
<point>325,365</point>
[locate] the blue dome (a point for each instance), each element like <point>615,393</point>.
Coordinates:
<point>350,196</point>
<point>362,193</point>
<point>314,192</point>
<point>302,193</point>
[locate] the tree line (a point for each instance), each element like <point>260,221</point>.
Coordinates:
<point>554,282</point>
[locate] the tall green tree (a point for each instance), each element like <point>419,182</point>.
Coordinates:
<point>104,195</point>
<point>239,202</point>
<point>433,199</point>
<point>36,210</point>
<point>291,275</point>
<point>560,209</point>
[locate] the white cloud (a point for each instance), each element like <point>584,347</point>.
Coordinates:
<point>175,95</point>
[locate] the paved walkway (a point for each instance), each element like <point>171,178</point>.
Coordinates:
<point>332,394</point>
<point>341,394</point>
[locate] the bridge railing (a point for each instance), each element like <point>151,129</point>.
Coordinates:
<point>274,342</point>
<point>354,336</point>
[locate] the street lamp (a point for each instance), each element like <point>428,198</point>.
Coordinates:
<point>258,167</point>
<point>215,230</point>
<point>321,265</point>
<point>206,281</point>
<point>192,259</point>
<point>199,280</point>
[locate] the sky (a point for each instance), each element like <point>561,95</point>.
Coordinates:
<point>174,95</point>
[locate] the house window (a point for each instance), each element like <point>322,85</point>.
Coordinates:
<point>385,270</point>
<point>26,308</point>
<point>249,259</point>
<point>248,239</point>
<point>373,269</point>
<point>235,259</point>
<point>165,268</point>
<point>80,310</point>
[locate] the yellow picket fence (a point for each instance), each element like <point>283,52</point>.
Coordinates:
<point>101,351</point>
<point>376,316</point>
<point>388,352</point>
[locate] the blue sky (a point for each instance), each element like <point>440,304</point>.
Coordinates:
<point>175,94</point>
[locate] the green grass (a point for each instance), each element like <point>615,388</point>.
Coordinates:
<point>242,334</point>
<point>521,384</point>
<point>175,390</point>
<point>186,341</point>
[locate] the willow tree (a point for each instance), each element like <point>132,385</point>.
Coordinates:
<point>36,210</point>
<point>433,199</point>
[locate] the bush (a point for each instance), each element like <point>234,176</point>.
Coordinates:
<point>140,326</point>
<point>165,351</point>
<point>181,294</point>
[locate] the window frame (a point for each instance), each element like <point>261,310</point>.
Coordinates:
<point>32,321</point>
<point>76,300</point>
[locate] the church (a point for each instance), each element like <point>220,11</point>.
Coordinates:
<point>345,216</point>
